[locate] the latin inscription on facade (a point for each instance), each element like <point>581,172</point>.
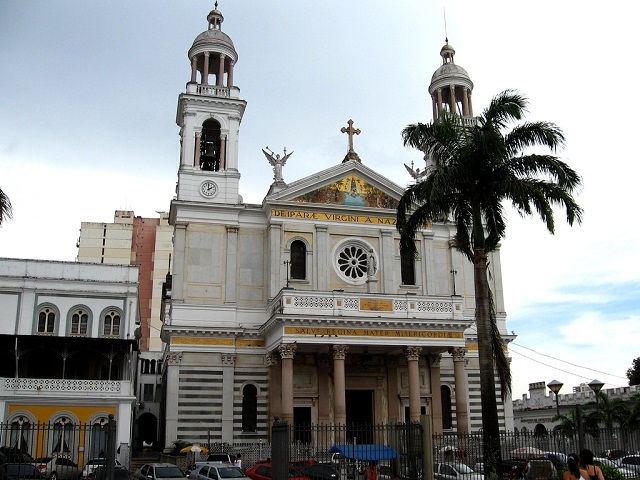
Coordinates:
<point>365,332</point>
<point>376,305</point>
<point>333,217</point>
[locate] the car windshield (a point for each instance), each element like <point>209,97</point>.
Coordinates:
<point>42,460</point>
<point>231,472</point>
<point>96,461</point>
<point>462,468</point>
<point>168,472</point>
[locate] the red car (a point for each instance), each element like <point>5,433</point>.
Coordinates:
<point>262,471</point>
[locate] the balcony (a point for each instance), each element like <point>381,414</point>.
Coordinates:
<point>54,387</point>
<point>213,90</point>
<point>367,305</point>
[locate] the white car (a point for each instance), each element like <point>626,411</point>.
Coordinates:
<point>218,471</point>
<point>90,467</point>
<point>455,471</point>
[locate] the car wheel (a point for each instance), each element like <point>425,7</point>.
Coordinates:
<point>53,476</point>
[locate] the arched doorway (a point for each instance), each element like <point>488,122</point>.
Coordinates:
<point>147,429</point>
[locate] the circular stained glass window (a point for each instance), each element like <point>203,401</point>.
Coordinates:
<point>351,260</point>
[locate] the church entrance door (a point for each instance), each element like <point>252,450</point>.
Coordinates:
<point>360,406</point>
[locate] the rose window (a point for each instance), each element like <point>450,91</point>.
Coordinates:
<point>352,262</point>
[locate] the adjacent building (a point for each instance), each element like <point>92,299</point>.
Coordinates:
<point>68,356</point>
<point>301,307</point>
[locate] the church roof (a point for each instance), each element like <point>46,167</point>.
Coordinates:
<point>213,37</point>
<point>349,184</point>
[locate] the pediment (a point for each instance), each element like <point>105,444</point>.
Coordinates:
<point>350,184</point>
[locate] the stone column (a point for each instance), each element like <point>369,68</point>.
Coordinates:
<point>388,261</point>
<point>205,70</point>
<point>452,98</point>
<point>434,102</point>
<point>392,389</point>
<point>230,74</point>
<point>223,152</point>
<point>439,92</point>
<point>275,386</point>
<point>413,358</point>
<point>179,260</point>
<point>171,414</point>
<point>194,69</point>
<point>465,102</point>
<point>219,80</point>
<point>324,390</point>
<point>228,366</point>
<point>436,393</point>
<point>470,103</point>
<point>196,155</point>
<point>287,352</point>
<point>339,394</point>
<point>232,265</point>
<point>460,377</point>
<point>275,259</point>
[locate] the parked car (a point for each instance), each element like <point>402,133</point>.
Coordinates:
<point>221,457</point>
<point>58,468</point>
<point>320,471</point>
<point>615,453</point>
<point>14,455</point>
<point>157,471</point>
<point>91,465</point>
<point>217,472</point>
<point>20,471</point>
<point>455,471</point>
<point>630,462</point>
<point>262,471</point>
<point>605,462</point>
<point>119,473</point>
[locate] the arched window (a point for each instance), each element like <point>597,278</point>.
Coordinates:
<point>111,324</point>
<point>249,408</point>
<point>62,436</point>
<point>20,436</point>
<point>298,260</point>
<point>98,439</point>
<point>79,323</point>
<point>210,146</point>
<point>46,321</point>
<point>447,417</point>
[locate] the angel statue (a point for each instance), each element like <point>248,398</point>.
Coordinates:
<point>277,163</point>
<point>415,174</point>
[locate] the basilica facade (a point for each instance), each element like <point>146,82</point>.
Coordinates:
<point>301,307</point>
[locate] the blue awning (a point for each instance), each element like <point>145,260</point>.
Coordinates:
<point>367,452</point>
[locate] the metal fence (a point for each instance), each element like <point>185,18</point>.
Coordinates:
<point>23,441</point>
<point>468,448</point>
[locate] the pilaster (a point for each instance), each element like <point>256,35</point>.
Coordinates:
<point>228,377</point>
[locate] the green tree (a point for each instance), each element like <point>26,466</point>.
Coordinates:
<point>633,374</point>
<point>6,211</point>
<point>613,411</point>
<point>478,166</point>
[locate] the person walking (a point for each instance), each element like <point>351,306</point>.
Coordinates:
<point>588,470</point>
<point>573,465</point>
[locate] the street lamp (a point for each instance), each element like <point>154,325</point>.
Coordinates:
<point>596,386</point>
<point>555,386</point>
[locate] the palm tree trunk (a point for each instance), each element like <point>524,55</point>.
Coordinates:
<point>490,422</point>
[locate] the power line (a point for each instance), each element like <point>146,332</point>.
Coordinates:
<point>563,361</point>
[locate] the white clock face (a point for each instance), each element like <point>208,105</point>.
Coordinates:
<point>208,188</point>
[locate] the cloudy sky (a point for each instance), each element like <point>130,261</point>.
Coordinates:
<point>88,95</point>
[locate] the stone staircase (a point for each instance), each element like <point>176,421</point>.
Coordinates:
<point>141,458</point>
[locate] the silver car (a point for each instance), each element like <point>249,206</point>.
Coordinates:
<point>58,468</point>
<point>217,472</point>
<point>158,471</point>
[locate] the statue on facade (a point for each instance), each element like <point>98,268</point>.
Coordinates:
<point>372,266</point>
<point>277,163</point>
<point>416,174</point>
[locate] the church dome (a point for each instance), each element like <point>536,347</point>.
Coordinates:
<point>211,38</point>
<point>450,70</point>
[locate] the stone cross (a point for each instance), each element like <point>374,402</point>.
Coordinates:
<point>350,131</point>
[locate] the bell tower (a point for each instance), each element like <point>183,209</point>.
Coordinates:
<point>450,86</point>
<point>209,116</point>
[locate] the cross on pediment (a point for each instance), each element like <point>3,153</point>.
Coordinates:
<point>351,154</point>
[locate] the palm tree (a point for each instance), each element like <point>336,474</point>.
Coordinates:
<point>6,211</point>
<point>477,167</point>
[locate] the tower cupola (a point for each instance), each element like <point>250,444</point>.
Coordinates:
<point>213,55</point>
<point>450,86</point>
